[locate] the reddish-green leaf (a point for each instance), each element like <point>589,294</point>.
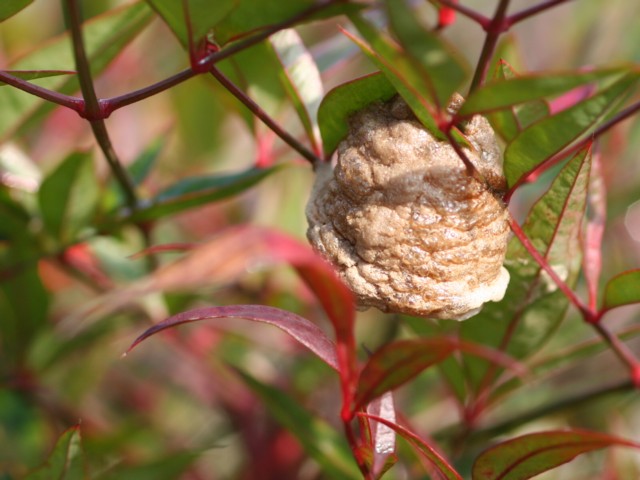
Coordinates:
<point>319,439</point>
<point>623,289</point>
<point>66,461</point>
<point>346,99</point>
<point>382,437</point>
<point>533,306</point>
<point>430,453</point>
<point>529,455</point>
<point>551,134</point>
<point>301,329</point>
<point>9,8</point>
<point>438,63</point>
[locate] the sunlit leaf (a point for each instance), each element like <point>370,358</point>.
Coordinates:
<point>9,8</point>
<point>623,289</point>
<point>430,453</point>
<point>346,99</point>
<point>301,329</point>
<point>35,74</point>
<point>68,197</point>
<point>319,440</point>
<point>252,15</point>
<point>533,306</point>
<point>437,61</point>
<point>66,461</point>
<point>509,91</point>
<point>383,438</point>
<point>529,455</point>
<point>301,79</point>
<point>400,70</point>
<point>550,135</point>
<point>203,16</point>
<point>197,191</point>
<point>104,36</point>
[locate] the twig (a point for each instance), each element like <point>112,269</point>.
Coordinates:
<point>529,12</point>
<point>466,11</point>
<point>74,103</point>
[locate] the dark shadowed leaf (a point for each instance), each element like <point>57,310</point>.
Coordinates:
<point>319,439</point>
<point>430,453</point>
<point>301,79</point>
<point>529,455</point>
<point>301,329</point>
<point>533,306</point>
<point>436,60</point>
<point>507,91</point>
<point>66,461</point>
<point>8,8</point>
<point>197,191</point>
<point>104,36</point>
<point>398,362</point>
<point>346,99</point>
<point>547,137</point>
<point>400,70</point>
<point>623,289</point>
<point>35,74</point>
<point>203,15</point>
<point>68,197</point>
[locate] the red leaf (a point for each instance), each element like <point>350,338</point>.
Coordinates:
<point>526,456</point>
<point>443,467</point>
<point>304,331</point>
<point>383,437</point>
<point>398,362</point>
<point>592,260</point>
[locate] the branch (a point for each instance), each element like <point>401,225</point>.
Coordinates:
<point>75,104</point>
<point>466,11</point>
<point>529,12</point>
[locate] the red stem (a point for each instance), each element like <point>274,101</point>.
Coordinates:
<point>74,103</point>
<point>529,12</point>
<point>621,350</point>
<point>467,12</point>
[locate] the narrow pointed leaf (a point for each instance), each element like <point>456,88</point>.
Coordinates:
<point>400,70</point>
<point>35,74</point>
<point>319,439</point>
<point>346,99</point>
<point>9,8</point>
<point>104,36</point>
<point>529,455</point>
<point>533,306</point>
<point>197,191</point>
<point>623,289</point>
<point>507,92</point>
<point>301,329</point>
<point>301,79</point>
<point>436,60</point>
<point>66,461</point>
<point>68,197</point>
<point>383,437</point>
<point>592,262</point>
<point>550,135</point>
<point>443,467</point>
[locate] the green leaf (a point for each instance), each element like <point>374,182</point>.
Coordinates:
<point>197,191</point>
<point>438,63</point>
<point>401,71</point>
<point>550,135</point>
<point>529,455</point>
<point>167,467</point>
<point>203,15</point>
<point>508,91</point>
<point>345,100</point>
<point>321,441</point>
<point>533,306</point>
<point>105,36</point>
<point>35,74</point>
<point>252,15</point>
<point>9,8</point>
<point>68,197</point>
<point>301,79</point>
<point>66,461</point>
<point>623,289</point>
